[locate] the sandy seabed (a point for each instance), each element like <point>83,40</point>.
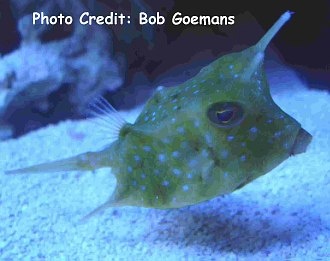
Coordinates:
<point>284,214</point>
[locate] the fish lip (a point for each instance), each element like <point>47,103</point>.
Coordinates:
<point>302,140</point>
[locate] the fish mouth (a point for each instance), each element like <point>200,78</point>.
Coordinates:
<point>303,139</point>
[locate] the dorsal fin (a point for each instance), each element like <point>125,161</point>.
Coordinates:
<point>106,118</point>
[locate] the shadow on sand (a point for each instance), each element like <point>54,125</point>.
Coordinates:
<point>235,226</point>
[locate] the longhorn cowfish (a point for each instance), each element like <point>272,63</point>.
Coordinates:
<point>201,139</point>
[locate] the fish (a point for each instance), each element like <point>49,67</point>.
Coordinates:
<point>201,139</point>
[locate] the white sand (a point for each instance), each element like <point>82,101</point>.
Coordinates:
<point>284,214</point>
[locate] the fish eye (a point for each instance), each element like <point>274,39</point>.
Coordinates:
<point>225,114</point>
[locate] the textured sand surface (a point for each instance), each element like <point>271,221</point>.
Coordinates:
<point>283,214</point>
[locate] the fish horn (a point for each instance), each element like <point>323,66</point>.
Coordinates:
<point>265,40</point>
<point>262,45</point>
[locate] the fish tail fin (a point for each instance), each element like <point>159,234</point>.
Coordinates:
<point>84,161</point>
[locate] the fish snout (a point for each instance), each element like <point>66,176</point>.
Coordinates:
<point>301,142</point>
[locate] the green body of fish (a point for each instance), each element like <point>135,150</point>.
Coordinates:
<point>203,138</point>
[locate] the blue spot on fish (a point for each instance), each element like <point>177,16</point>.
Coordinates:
<point>176,172</point>
<point>208,138</point>
<point>175,154</point>
<point>180,130</point>
<point>230,137</point>
<point>161,157</point>
<point>224,154</point>
<point>165,183</point>
<point>253,130</point>
<point>146,148</point>
<point>196,123</point>
<point>277,134</point>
